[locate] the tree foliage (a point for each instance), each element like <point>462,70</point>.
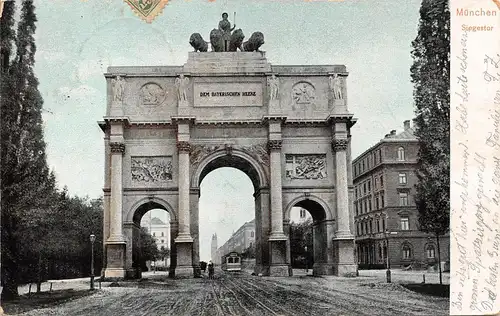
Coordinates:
<point>430,76</point>
<point>149,249</point>
<point>45,233</point>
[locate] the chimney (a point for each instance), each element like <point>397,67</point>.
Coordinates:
<point>406,124</point>
<point>393,132</point>
<point>414,123</point>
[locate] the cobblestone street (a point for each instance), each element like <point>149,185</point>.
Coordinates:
<point>242,294</point>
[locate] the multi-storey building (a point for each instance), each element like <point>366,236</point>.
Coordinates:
<point>243,238</point>
<point>385,214</point>
<point>299,215</point>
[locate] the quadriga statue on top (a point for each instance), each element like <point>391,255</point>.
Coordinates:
<point>226,39</point>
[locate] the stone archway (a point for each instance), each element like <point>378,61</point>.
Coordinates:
<point>291,141</point>
<point>218,156</point>
<point>131,231</point>
<point>323,230</point>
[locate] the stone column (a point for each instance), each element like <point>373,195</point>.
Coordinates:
<point>184,215</point>
<point>344,239</point>
<point>116,231</point>
<point>115,244</point>
<point>184,241</point>
<point>341,185</point>
<point>276,194</point>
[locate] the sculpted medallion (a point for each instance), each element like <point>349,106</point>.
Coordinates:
<point>303,93</point>
<point>151,169</point>
<point>152,94</point>
<point>305,166</point>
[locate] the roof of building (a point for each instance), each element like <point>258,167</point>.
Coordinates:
<point>408,134</point>
<point>157,221</point>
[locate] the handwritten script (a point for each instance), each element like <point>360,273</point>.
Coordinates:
<point>475,176</point>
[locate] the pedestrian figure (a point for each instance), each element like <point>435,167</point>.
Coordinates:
<point>210,270</point>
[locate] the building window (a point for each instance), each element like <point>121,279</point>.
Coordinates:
<point>302,213</point>
<point>364,188</point>
<point>378,226</point>
<point>401,154</point>
<point>377,203</point>
<point>379,251</point>
<point>370,205</point>
<point>382,200</point>
<point>406,251</point>
<point>162,234</point>
<point>403,199</point>
<point>381,181</point>
<point>371,227</point>
<point>363,168</point>
<point>383,224</point>
<point>431,253</point>
<point>356,208</point>
<point>402,178</point>
<point>252,234</point>
<point>162,241</point>
<point>154,234</point>
<point>369,186</point>
<point>405,223</point>
<point>375,182</point>
<point>366,208</point>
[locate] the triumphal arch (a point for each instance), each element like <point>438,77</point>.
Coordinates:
<point>286,126</point>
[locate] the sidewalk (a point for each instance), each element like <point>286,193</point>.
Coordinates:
<point>400,276</point>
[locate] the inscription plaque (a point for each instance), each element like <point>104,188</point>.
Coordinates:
<point>227,94</point>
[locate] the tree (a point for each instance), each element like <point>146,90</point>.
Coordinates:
<point>24,171</point>
<point>430,76</point>
<point>149,249</point>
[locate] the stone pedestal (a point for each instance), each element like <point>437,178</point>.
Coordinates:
<point>184,266</point>
<point>345,262</point>
<point>115,260</point>
<point>278,255</point>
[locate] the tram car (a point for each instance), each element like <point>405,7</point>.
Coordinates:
<point>231,262</point>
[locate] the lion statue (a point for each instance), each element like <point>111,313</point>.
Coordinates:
<point>216,40</point>
<point>254,42</point>
<point>236,40</point>
<point>198,43</point>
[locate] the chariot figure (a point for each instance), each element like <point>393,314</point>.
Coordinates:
<point>226,29</point>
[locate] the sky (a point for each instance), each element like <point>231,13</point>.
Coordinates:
<point>78,40</point>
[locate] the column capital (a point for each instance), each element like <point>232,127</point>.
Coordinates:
<point>339,144</point>
<point>117,147</point>
<point>274,144</point>
<point>183,147</point>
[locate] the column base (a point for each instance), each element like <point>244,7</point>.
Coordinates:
<point>278,256</point>
<point>323,269</point>
<point>115,260</point>
<point>114,273</point>
<point>182,238</point>
<point>116,239</point>
<point>184,266</point>
<point>343,235</point>
<point>276,236</point>
<point>281,270</point>
<point>345,260</point>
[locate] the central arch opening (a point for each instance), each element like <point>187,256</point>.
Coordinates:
<point>229,204</point>
<point>308,231</point>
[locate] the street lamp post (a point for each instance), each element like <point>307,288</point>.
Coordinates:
<point>92,239</point>
<point>388,263</point>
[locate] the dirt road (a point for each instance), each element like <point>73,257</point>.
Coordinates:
<point>251,295</point>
